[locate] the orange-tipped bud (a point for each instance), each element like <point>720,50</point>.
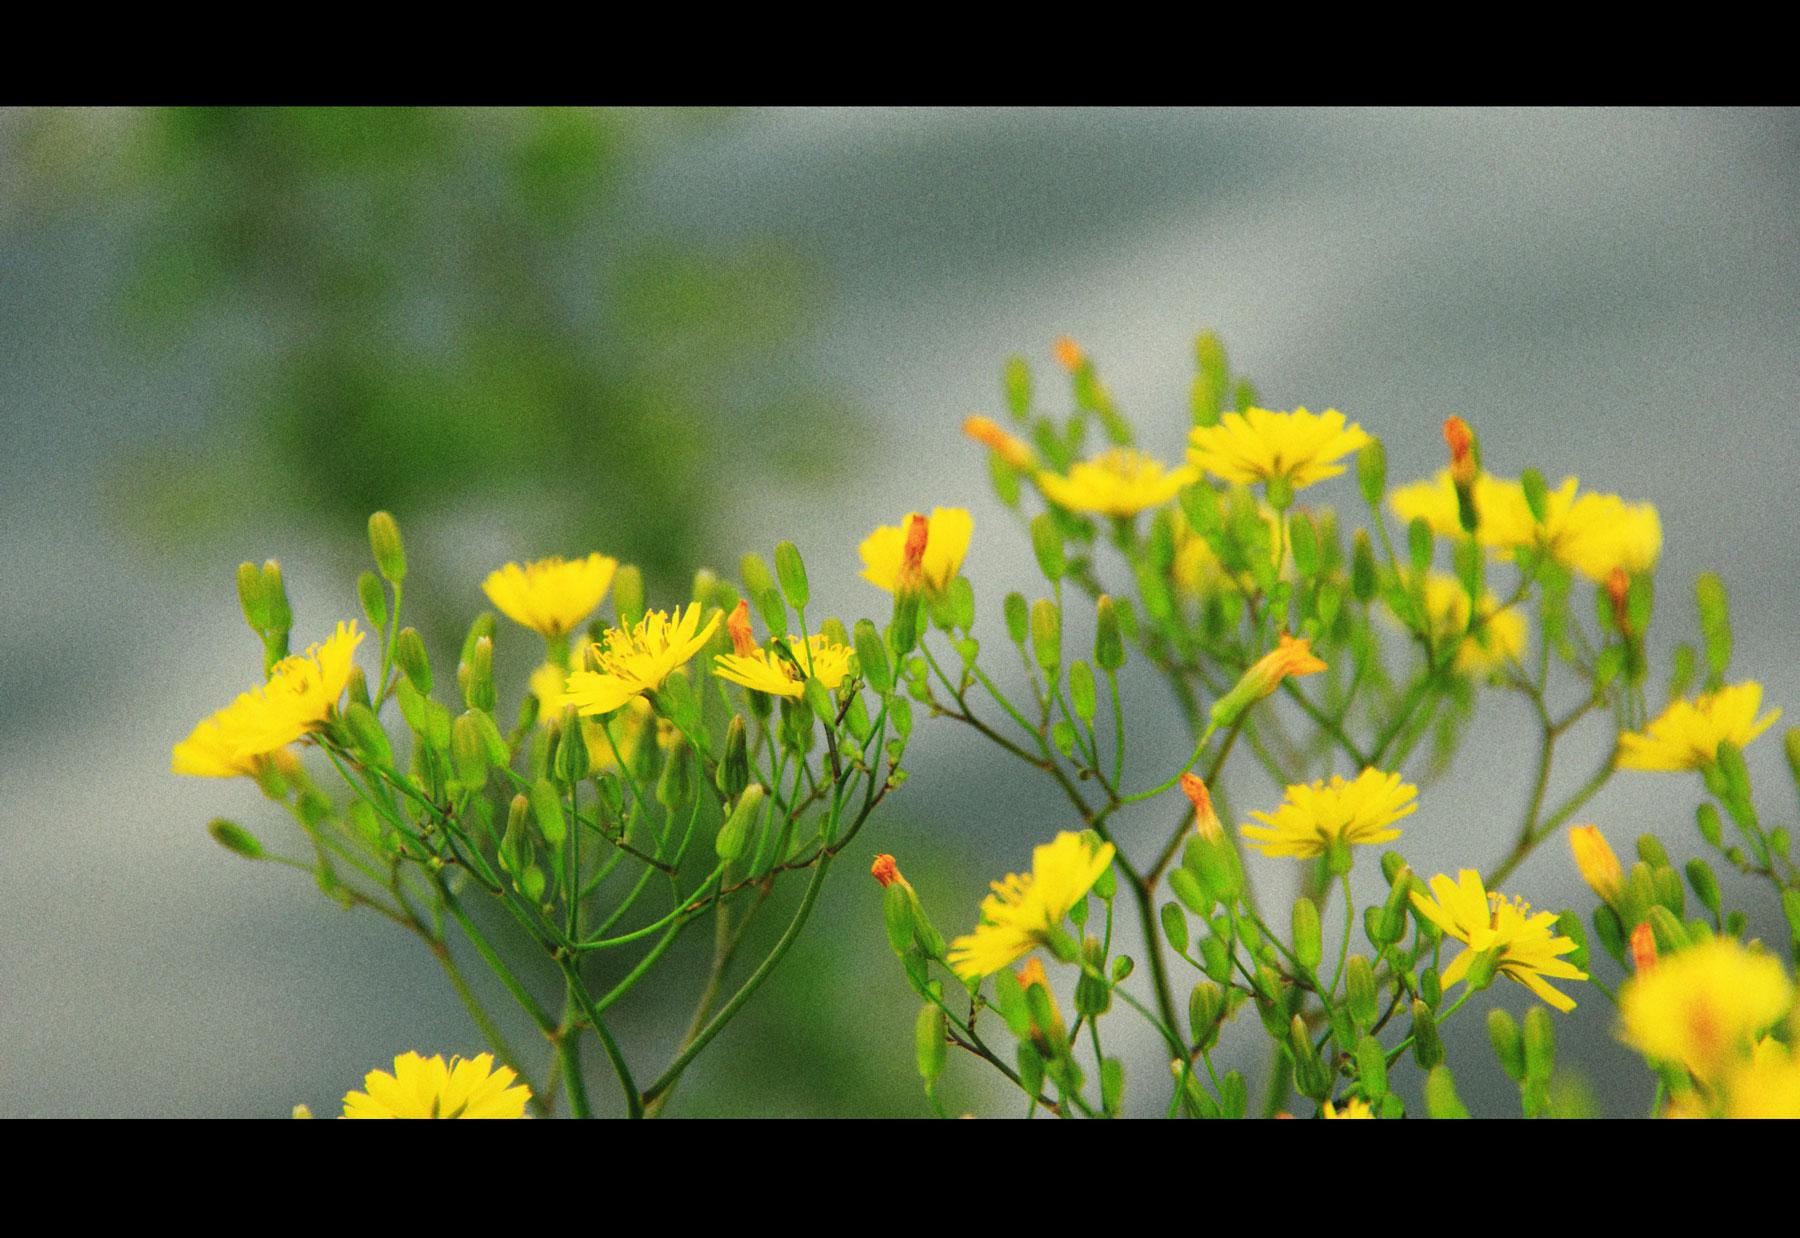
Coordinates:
<point>1206,821</point>
<point>886,871</point>
<point>1643,948</point>
<point>912,562</point>
<point>987,431</point>
<point>1293,655</point>
<point>743,640</point>
<point>1461,439</point>
<point>1618,588</point>
<point>1069,354</point>
<point>1033,973</point>
<point>1599,866</point>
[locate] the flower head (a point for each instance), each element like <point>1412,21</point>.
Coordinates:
<point>1524,945</point>
<point>1499,638</point>
<point>1591,533</point>
<point>1355,1107</point>
<point>1122,482</point>
<point>637,659</point>
<point>1460,438</point>
<point>211,749</point>
<point>423,1087</point>
<point>1599,866</point>
<point>301,694</point>
<point>1688,734</point>
<point>1315,815</point>
<point>1704,1006</point>
<point>886,872</point>
<point>1025,907</point>
<point>884,551</point>
<point>784,672</point>
<point>1257,445</point>
<point>1769,1087</point>
<point>551,596</point>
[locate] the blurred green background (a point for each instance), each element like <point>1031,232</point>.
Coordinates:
<point>677,336</point>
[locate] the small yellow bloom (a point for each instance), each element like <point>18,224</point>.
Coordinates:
<point>430,1088</point>
<point>1257,445</point>
<point>784,671</point>
<point>1526,944</point>
<point>636,660</point>
<point>1505,520</point>
<point>1704,1006</point>
<point>627,726</point>
<point>1769,1087</point>
<point>551,596</point>
<point>301,694</point>
<point>1688,734</point>
<point>1599,866</point>
<point>1122,482</point>
<point>211,750</point>
<point>1594,534</point>
<point>884,551</point>
<point>1315,815</point>
<point>1355,1107</point>
<point>1499,638</point>
<point>1023,908</point>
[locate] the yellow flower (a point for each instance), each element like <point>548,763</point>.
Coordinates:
<point>300,695</point>
<point>1258,445</point>
<point>1355,1107</point>
<point>1315,815</point>
<point>1527,945</point>
<point>429,1088</point>
<point>1122,482</point>
<point>774,673</point>
<point>884,550</point>
<point>1500,637</point>
<point>1769,1087</point>
<point>1704,1006</point>
<point>636,660</point>
<point>1023,908</point>
<point>1599,867</point>
<point>1688,734</point>
<point>1591,533</point>
<point>211,749</point>
<point>1504,518</point>
<point>551,596</point>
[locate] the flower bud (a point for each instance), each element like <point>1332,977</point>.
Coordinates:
<point>1291,656</point>
<point>1015,452</point>
<point>1206,1012</point>
<point>478,682</point>
<point>734,771</point>
<point>791,570</point>
<point>743,637</point>
<point>1371,471</point>
<point>1047,544</point>
<point>251,597</point>
<point>1540,1044</point>
<point>1308,947</point>
<point>1441,1100</point>
<point>367,734</point>
<point>1206,820</point>
<point>374,600</point>
<point>1599,866</point>
<point>1046,636</point>
<point>1427,1048</point>
<point>628,593</point>
<point>1109,644</point>
<point>275,599</point>
<point>1509,1046</point>
<point>1643,948</point>
<point>896,914</point>
<point>384,540</point>
<point>931,1042</point>
<point>516,848</point>
<point>734,835</point>
<point>468,752</point>
<point>235,838</point>
<point>871,655</point>
<point>409,652</point>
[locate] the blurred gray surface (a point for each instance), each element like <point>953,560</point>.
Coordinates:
<point>1609,295</point>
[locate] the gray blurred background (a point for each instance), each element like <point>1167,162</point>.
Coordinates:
<point>678,336</point>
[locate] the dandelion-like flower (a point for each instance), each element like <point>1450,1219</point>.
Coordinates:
<point>1595,859</point>
<point>637,659</point>
<point>1355,1107</point>
<point>422,1087</point>
<point>301,694</point>
<point>1595,534</point>
<point>1525,946</point>
<point>1257,445</point>
<point>1688,734</point>
<point>784,671</point>
<point>1704,1006</point>
<point>884,551</point>
<point>1315,815</point>
<point>551,596</point>
<point>1024,907</point>
<point>1122,482</point>
<point>1499,638</point>
<point>211,749</point>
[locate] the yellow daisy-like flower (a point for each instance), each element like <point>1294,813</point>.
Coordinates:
<point>1499,639</point>
<point>636,660</point>
<point>1355,1107</point>
<point>1024,907</point>
<point>627,726</point>
<point>1688,734</point>
<point>1769,1087</point>
<point>1197,570</point>
<point>300,695</point>
<point>772,672</point>
<point>1315,815</point>
<point>1122,482</point>
<point>423,1087</point>
<point>884,550</point>
<point>551,596</point>
<point>1704,1006</point>
<point>1257,445</point>
<point>1505,518</point>
<point>211,750</point>
<point>1527,945</point>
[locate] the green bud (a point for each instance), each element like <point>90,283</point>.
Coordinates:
<point>516,848</point>
<point>571,752</point>
<point>1790,907</point>
<point>1428,1050</point>
<point>675,785</point>
<point>734,770</point>
<point>1109,645</point>
<point>1610,931</point>
<point>1706,817</point>
<point>1568,924</point>
<point>1509,1047</point>
<point>1093,996</point>
<point>468,752</point>
<point>1441,1100</point>
<point>1303,538</point>
<point>374,600</point>
<point>1175,927</point>
<point>755,574</point>
<point>1419,544</point>
<point>1650,851</point>
<point>1307,945</point>
<point>1792,742</point>
<point>792,571</point>
<point>384,540</point>
<point>477,676</point>
<point>1047,544</point>
<point>1537,494</point>
<point>1670,935</point>
<point>1371,1068</point>
<point>546,806</point>
<point>1715,626</point>
<point>1280,492</point>
<point>1311,1077</point>
<point>1081,691</point>
<point>235,838</point>
<point>409,652</point>
<point>1371,471</point>
<point>1364,579</point>
<point>1046,636</point>
<point>735,833</point>
<point>1206,1011</point>
<point>1017,385</point>
<point>1540,1044</point>
<point>931,1042</point>
<point>1669,891</point>
<point>367,734</point>
<point>1359,991</point>
<point>871,655</point>
<point>251,598</point>
<point>896,914</point>
<point>275,599</point>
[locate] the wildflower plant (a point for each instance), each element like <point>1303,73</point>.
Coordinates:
<point>1327,641</point>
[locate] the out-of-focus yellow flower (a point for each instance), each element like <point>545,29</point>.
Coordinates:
<point>1197,570</point>
<point>1500,638</point>
<point>1769,1087</point>
<point>628,725</point>
<point>1355,1107</point>
<point>1498,504</point>
<point>1704,1006</point>
<point>1526,946</point>
<point>990,434</point>
<point>551,596</point>
<point>1315,815</point>
<point>211,749</point>
<point>1599,867</point>
<point>884,551</point>
<point>636,660</point>
<point>301,694</point>
<point>1257,445</point>
<point>1688,734</point>
<point>783,672</point>
<point>1019,914</point>
<point>422,1087</point>
<point>1122,482</point>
